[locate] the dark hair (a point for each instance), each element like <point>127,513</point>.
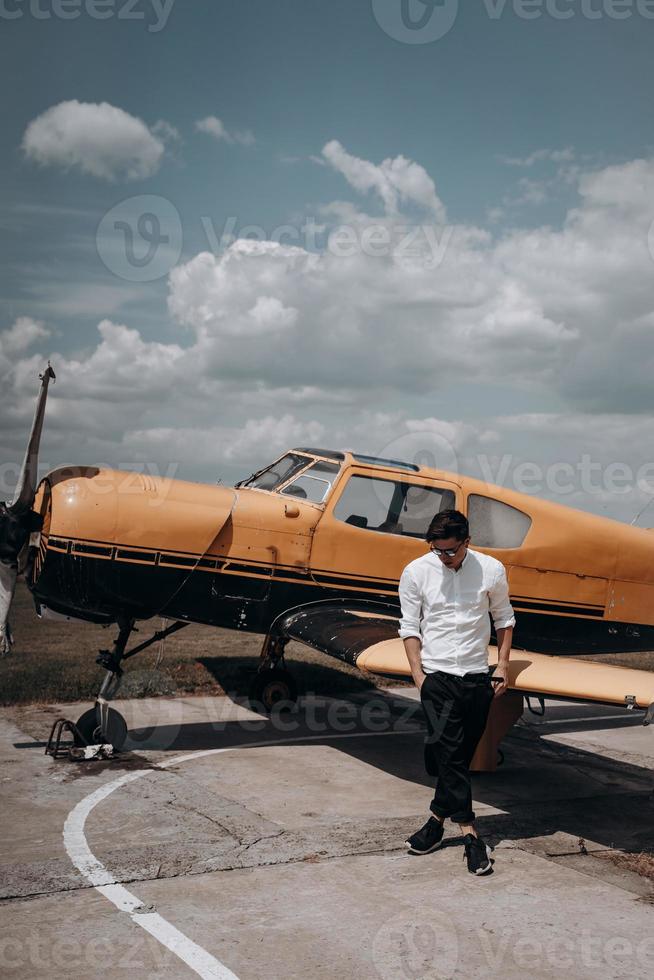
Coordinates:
<point>448,524</point>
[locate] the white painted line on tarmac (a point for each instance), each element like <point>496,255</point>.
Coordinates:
<point>196,958</point>
<point>567,721</point>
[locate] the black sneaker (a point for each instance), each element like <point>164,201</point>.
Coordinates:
<point>477,855</point>
<point>429,838</point>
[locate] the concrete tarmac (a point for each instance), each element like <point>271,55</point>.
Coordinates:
<point>225,844</point>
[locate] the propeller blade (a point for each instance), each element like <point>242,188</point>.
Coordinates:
<point>8,575</point>
<point>26,488</point>
<point>16,519</point>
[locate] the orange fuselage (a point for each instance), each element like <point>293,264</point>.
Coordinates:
<point>117,543</point>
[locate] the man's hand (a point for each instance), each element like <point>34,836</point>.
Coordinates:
<point>500,679</point>
<point>501,672</point>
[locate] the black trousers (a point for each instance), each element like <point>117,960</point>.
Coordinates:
<point>456,709</point>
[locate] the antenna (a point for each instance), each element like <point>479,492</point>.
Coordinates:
<point>642,510</point>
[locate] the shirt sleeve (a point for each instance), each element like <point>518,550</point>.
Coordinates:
<point>411,603</point>
<point>500,606</point>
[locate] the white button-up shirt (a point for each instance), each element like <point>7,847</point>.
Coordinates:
<point>448,610</point>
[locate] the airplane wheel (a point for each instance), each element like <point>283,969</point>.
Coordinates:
<point>273,687</point>
<point>116,728</point>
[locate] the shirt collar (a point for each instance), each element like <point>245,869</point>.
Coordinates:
<point>465,558</point>
<point>444,568</point>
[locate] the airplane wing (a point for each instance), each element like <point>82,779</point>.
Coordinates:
<point>365,635</point>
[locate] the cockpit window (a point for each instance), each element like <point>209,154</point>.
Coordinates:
<point>315,483</point>
<point>278,473</point>
<point>391,507</point>
<point>494,524</point>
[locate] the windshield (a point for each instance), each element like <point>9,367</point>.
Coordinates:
<point>315,483</point>
<point>277,473</point>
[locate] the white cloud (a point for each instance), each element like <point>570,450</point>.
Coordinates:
<point>213,126</point>
<point>364,320</point>
<point>250,289</point>
<point>627,188</point>
<point>290,345</point>
<point>21,335</point>
<point>96,138</point>
<point>495,215</point>
<point>268,313</point>
<point>166,132</point>
<point>397,180</point>
<point>570,310</point>
<point>566,155</point>
<point>261,438</point>
<point>125,363</point>
<point>533,192</point>
<point>85,298</point>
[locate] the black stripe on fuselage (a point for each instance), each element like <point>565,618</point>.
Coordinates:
<point>183,561</point>
<point>143,557</point>
<point>62,544</point>
<point>92,588</point>
<point>348,581</point>
<point>94,550</point>
<point>317,577</point>
<point>536,605</point>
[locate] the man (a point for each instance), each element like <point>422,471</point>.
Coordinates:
<point>446,596</point>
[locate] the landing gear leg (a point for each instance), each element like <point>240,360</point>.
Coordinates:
<point>102,723</point>
<point>273,684</point>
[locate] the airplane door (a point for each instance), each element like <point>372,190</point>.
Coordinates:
<point>373,526</point>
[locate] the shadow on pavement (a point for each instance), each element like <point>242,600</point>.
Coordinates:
<point>542,788</point>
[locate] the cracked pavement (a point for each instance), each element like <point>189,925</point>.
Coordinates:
<point>289,858</point>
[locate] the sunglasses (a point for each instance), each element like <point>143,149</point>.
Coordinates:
<point>442,552</point>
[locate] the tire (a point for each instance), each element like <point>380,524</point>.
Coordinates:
<point>89,729</point>
<point>272,688</point>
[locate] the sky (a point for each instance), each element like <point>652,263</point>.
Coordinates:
<point>421,229</point>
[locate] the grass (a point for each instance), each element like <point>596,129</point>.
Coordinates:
<point>639,659</point>
<point>55,662</point>
<point>641,863</point>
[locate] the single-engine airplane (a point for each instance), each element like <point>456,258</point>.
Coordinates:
<point>311,547</point>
